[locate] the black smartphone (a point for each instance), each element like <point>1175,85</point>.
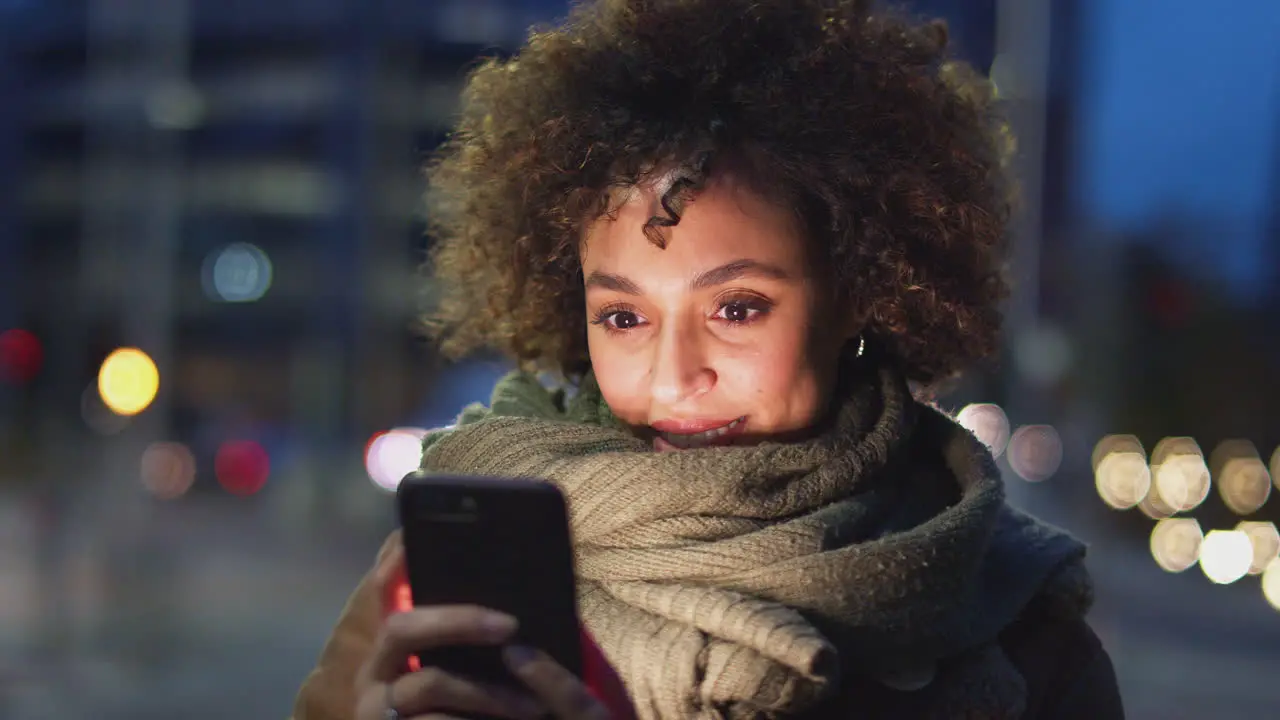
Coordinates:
<point>498,543</point>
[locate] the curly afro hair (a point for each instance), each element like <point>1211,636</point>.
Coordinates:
<point>890,152</point>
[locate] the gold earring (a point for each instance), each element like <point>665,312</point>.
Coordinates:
<point>862,346</point>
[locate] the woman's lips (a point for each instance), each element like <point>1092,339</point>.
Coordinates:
<point>685,435</point>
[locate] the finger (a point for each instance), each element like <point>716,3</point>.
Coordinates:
<point>432,690</point>
<point>373,706</point>
<point>560,690</point>
<point>426,628</point>
<point>389,561</point>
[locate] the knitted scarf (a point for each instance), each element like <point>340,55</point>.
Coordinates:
<point>757,581</point>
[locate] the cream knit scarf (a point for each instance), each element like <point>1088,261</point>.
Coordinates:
<point>757,581</point>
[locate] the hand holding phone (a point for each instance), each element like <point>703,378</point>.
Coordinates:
<point>492,543</point>
<point>520,659</point>
<point>385,690</point>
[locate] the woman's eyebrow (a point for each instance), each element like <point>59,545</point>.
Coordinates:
<point>725,273</point>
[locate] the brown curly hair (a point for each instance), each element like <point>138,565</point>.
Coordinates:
<point>890,152</point>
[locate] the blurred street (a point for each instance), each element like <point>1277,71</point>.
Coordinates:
<point>1191,651</point>
<point>229,632</point>
<point>242,623</point>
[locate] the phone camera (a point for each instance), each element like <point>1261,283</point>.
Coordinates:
<point>436,506</point>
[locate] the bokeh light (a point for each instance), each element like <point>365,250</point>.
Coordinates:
<point>237,273</point>
<point>1123,480</point>
<point>1121,474</point>
<point>1116,444</point>
<point>1265,540</point>
<point>242,467</point>
<point>1242,477</point>
<point>989,423</point>
<point>1035,452</point>
<point>391,455</point>
<point>1271,583</point>
<point>21,355</point>
<point>1153,506</point>
<point>1225,555</point>
<point>168,470</point>
<point>1179,474</point>
<point>1183,481</point>
<point>1275,467</point>
<point>128,381</point>
<point>1175,543</point>
<point>1245,485</point>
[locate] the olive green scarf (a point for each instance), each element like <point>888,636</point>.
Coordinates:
<point>755,581</point>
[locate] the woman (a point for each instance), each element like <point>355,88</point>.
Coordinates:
<point>739,230</point>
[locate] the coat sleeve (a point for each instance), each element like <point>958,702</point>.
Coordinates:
<point>1092,692</point>
<point>1067,670</point>
<point>328,693</point>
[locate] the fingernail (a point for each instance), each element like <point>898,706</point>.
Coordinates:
<point>499,624</point>
<point>518,656</point>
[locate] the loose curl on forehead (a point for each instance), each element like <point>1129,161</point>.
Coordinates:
<point>684,181</point>
<point>889,154</point>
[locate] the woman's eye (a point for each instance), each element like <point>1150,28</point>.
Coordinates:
<point>617,320</point>
<point>739,312</point>
<point>622,320</point>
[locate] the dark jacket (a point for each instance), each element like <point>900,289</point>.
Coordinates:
<point>1068,673</point>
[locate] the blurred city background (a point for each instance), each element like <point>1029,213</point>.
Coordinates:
<point>210,251</point>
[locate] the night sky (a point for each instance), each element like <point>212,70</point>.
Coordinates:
<point>1180,110</point>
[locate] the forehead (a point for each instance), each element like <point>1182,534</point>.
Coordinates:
<point>727,217</point>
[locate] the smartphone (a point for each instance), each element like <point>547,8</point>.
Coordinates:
<point>498,543</point>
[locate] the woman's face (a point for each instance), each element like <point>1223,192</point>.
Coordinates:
<point>725,336</point>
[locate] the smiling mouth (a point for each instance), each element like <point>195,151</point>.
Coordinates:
<point>707,438</point>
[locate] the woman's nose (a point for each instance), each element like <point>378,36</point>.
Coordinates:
<point>680,369</point>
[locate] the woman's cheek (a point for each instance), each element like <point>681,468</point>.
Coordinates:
<point>621,376</point>
<point>779,379</point>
